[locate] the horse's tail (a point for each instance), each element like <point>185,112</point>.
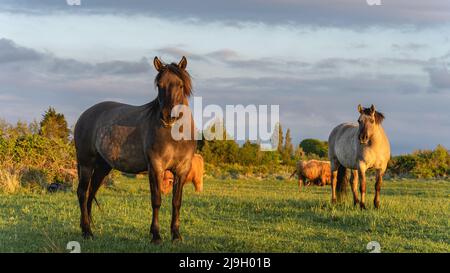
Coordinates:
<point>342,182</point>
<point>293,174</point>
<point>96,202</point>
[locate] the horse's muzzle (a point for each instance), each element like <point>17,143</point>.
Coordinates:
<point>363,140</point>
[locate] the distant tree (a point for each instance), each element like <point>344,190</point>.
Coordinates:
<point>280,139</point>
<point>4,127</point>
<point>206,152</point>
<point>314,146</point>
<point>34,127</point>
<point>54,125</point>
<point>288,146</point>
<point>287,153</point>
<point>21,128</point>
<point>249,153</point>
<point>299,153</point>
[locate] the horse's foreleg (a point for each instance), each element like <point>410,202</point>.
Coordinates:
<point>84,180</point>
<point>156,179</point>
<point>333,186</point>
<point>176,205</point>
<point>300,182</point>
<point>362,187</point>
<point>354,180</point>
<point>379,181</point>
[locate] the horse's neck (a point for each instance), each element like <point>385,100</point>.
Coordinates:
<point>379,137</point>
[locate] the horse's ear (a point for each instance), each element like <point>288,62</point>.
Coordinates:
<point>360,109</point>
<point>372,109</point>
<point>158,64</point>
<point>183,63</point>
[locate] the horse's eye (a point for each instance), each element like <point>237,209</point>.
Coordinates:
<point>359,121</point>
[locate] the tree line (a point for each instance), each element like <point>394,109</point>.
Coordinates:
<point>43,151</point>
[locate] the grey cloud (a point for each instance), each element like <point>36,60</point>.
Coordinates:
<point>311,101</point>
<point>176,52</point>
<point>409,47</point>
<point>312,107</point>
<point>439,79</point>
<point>10,52</point>
<point>124,67</point>
<point>223,54</point>
<point>343,13</point>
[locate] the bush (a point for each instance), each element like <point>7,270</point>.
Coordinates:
<point>314,147</point>
<point>9,181</point>
<point>34,178</point>
<point>422,164</point>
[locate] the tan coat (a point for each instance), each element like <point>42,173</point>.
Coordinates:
<point>315,171</point>
<point>195,176</point>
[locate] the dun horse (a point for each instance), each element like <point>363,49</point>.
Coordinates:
<point>134,139</point>
<point>359,147</point>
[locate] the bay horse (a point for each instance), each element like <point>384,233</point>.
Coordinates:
<point>133,139</point>
<point>358,147</point>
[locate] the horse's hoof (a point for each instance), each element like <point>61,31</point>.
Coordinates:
<point>177,240</point>
<point>156,239</point>
<point>362,206</point>
<point>333,201</point>
<point>176,237</point>
<point>87,235</point>
<point>355,203</point>
<point>376,204</point>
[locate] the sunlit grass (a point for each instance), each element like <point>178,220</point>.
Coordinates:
<point>234,216</point>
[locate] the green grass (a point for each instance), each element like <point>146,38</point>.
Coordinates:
<point>234,216</point>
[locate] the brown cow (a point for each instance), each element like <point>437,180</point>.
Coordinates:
<point>195,176</point>
<point>316,171</point>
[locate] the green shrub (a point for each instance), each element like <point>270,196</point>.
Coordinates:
<point>34,178</point>
<point>422,164</point>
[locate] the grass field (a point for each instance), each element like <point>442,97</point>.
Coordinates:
<point>235,216</point>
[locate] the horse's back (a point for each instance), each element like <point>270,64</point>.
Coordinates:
<point>85,132</point>
<point>89,117</point>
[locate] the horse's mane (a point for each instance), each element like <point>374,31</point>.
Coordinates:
<point>379,117</point>
<point>181,73</point>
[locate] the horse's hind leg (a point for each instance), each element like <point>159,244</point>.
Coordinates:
<point>379,181</point>
<point>334,171</point>
<point>101,170</point>
<point>354,182</point>
<point>84,178</point>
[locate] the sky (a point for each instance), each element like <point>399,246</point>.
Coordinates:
<point>316,59</point>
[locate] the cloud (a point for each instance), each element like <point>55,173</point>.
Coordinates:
<point>409,47</point>
<point>340,13</point>
<point>313,97</point>
<point>13,54</point>
<point>439,79</point>
<point>313,107</point>
<point>10,53</point>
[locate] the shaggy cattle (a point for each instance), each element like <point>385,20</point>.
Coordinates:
<point>315,171</point>
<point>195,176</point>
